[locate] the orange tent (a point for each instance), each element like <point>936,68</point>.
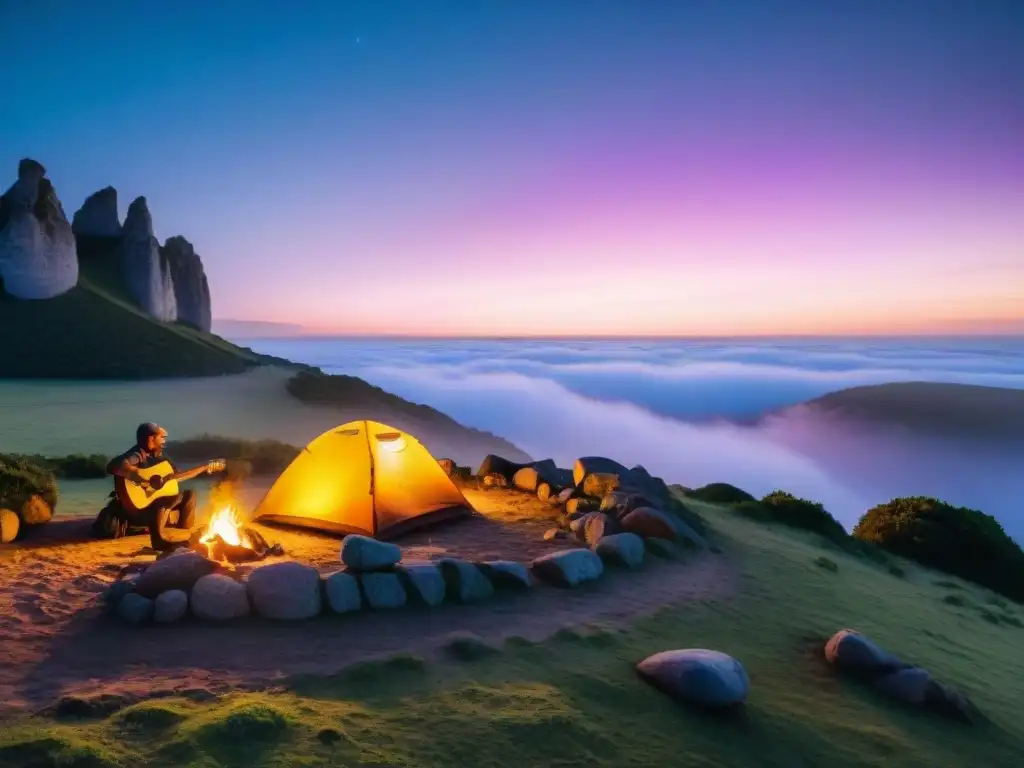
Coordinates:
<point>363,477</point>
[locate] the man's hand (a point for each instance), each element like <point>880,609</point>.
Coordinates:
<point>215,466</point>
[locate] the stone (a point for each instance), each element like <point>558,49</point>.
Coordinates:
<point>651,523</point>
<point>180,570</point>
<point>116,591</point>
<point>38,253</point>
<point>909,685</point>
<point>526,479</point>
<point>146,270</point>
<point>598,485</point>
<point>554,534</point>
<point>853,652</point>
<point>10,524</point>
<point>191,288</point>
<point>382,589</point>
<point>597,525</point>
<point>424,583</point>
<point>361,553</point>
<point>697,676</point>
<point>568,568</point>
<point>662,548</point>
<point>36,510</point>
<point>507,573</point>
<point>625,549</point>
<point>341,591</point>
<point>587,465</point>
<point>288,591</point>
<point>170,606</point>
<point>98,216</point>
<point>465,582</point>
<point>580,506</point>
<point>135,609</point>
<point>217,597</point>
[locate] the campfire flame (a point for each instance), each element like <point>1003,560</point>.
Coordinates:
<point>226,524</point>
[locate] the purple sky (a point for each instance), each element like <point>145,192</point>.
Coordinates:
<point>552,167</point>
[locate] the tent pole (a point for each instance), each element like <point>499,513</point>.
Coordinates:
<point>373,470</point>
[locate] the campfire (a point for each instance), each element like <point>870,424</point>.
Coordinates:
<point>225,537</point>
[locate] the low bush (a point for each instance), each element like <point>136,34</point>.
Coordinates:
<point>21,478</point>
<point>73,467</point>
<point>784,508</point>
<point>960,541</point>
<point>720,493</point>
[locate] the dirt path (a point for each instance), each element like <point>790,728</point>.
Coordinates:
<point>57,641</point>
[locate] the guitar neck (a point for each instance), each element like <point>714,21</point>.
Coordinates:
<point>187,474</point>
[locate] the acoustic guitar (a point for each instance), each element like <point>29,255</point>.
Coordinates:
<point>159,481</point>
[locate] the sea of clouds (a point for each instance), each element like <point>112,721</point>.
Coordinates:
<point>689,410</point>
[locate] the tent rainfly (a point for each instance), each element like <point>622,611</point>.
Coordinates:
<point>363,477</point>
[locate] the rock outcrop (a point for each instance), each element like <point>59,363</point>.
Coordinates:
<point>191,289</point>
<point>98,215</point>
<point>38,259</point>
<point>147,273</point>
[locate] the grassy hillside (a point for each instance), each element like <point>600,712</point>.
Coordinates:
<point>953,410</point>
<point>575,699</point>
<point>95,332</point>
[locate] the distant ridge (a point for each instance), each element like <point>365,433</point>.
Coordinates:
<point>255,329</point>
<point>940,409</point>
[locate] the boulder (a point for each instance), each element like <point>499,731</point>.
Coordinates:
<point>361,553</point>
<point>117,591</point>
<point>526,479</point>
<point>625,549</point>
<point>10,524</point>
<point>496,465</point>
<point>217,597</point>
<point>170,606</point>
<point>288,591</point>
<point>423,583</point>
<point>662,548</point>
<point>341,590</point>
<point>552,534</point>
<point>621,503</point>
<point>38,253</point>
<point>853,652</point>
<point>147,272</point>
<point>568,568</point>
<point>506,573</point>
<point>98,216</point>
<point>597,525</point>
<point>36,510</point>
<point>588,465</point>
<point>648,485</point>
<point>697,676</point>
<point>652,523</point>
<point>909,685</point>
<point>191,289</point>
<point>382,590</point>
<point>465,582</point>
<point>180,570</point>
<point>598,485</point>
<point>580,506</point>
<point>135,609</point>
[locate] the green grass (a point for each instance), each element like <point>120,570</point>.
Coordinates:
<point>574,700</point>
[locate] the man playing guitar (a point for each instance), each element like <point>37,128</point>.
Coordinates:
<point>169,518</point>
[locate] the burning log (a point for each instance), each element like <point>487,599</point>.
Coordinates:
<point>225,538</point>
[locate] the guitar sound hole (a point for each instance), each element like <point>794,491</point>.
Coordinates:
<point>156,482</point>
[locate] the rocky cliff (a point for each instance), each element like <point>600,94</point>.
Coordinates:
<point>147,272</point>
<point>191,289</point>
<point>98,215</point>
<point>38,259</point>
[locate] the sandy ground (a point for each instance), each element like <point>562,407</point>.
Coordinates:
<point>57,640</point>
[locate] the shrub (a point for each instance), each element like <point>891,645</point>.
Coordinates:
<point>21,478</point>
<point>782,507</point>
<point>260,457</point>
<point>73,467</point>
<point>960,541</point>
<point>720,493</point>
